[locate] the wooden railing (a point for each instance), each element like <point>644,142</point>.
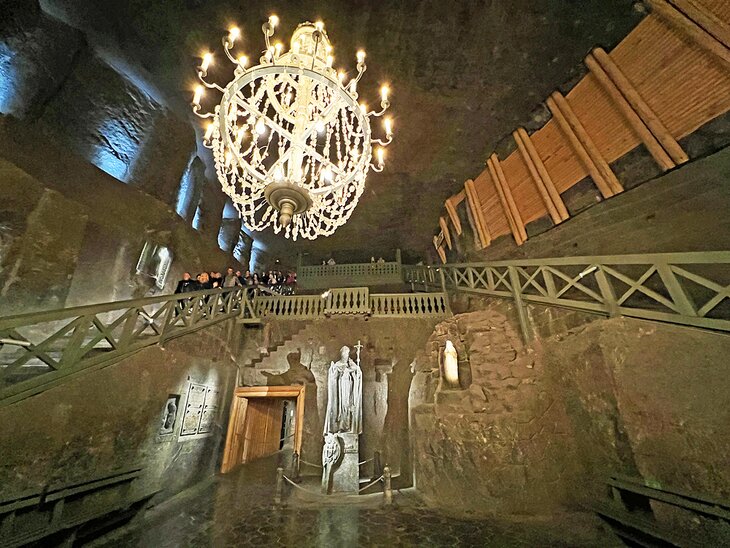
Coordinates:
<point>681,288</point>
<point>41,349</point>
<point>353,301</point>
<point>346,275</point>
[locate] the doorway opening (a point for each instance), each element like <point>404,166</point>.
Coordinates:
<point>263,420</point>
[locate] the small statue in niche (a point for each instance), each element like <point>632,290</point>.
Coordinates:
<point>330,455</point>
<point>451,366</point>
<point>169,415</point>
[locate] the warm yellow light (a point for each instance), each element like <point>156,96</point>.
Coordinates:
<point>319,25</point>
<point>260,126</point>
<point>273,21</point>
<point>364,108</point>
<point>381,155</point>
<point>327,173</point>
<point>199,91</point>
<point>388,124</point>
<point>320,126</point>
<point>207,61</point>
<point>328,48</point>
<point>234,33</point>
<point>330,60</point>
<point>278,47</point>
<point>209,131</point>
<point>242,60</point>
<point>361,56</point>
<point>384,91</point>
<point>341,76</point>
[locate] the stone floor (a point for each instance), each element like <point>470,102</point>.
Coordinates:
<point>237,509</point>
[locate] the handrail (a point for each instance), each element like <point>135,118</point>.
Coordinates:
<point>349,274</point>
<point>353,301</point>
<point>41,349</point>
<point>680,288</point>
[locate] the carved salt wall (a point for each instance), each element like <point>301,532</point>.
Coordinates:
<point>303,357</point>
<point>540,431</point>
<point>111,419</point>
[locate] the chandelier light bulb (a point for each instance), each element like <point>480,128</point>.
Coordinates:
<point>291,138</point>
<point>207,61</point>
<point>199,91</point>
<point>209,131</point>
<point>260,127</point>
<point>384,91</point>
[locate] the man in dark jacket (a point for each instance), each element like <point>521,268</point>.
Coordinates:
<point>187,284</point>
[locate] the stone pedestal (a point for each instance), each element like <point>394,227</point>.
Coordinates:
<point>346,476</point>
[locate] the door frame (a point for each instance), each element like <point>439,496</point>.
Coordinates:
<point>241,396</point>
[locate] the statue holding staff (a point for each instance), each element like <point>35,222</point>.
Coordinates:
<point>344,394</point>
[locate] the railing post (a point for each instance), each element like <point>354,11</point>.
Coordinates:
<point>279,485</point>
<point>443,279</point>
<point>514,278</point>
<point>398,256</point>
<point>295,466</point>
<point>607,292</point>
<point>679,297</point>
<point>387,488</point>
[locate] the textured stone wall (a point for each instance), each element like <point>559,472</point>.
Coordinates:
<point>109,420</point>
<point>61,245</point>
<point>301,353</point>
<point>538,430</point>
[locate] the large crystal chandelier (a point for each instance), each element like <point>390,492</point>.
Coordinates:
<point>292,144</point>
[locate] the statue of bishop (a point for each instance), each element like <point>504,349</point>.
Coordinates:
<point>344,395</point>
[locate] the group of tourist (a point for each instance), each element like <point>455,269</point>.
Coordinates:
<point>274,281</point>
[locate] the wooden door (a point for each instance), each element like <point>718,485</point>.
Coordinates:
<point>263,427</point>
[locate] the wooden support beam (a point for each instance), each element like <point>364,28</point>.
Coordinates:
<point>453,215</point>
<point>692,29</point>
<point>472,201</point>
<point>457,198</point>
<point>584,146</point>
<point>545,186</point>
<point>650,142</point>
<point>439,248</point>
<point>445,231</point>
<point>709,22</point>
<point>647,115</point>
<point>508,202</point>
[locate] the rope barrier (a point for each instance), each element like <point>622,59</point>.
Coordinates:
<point>302,461</point>
<point>370,484</point>
<point>365,461</point>
<point>316,493</point>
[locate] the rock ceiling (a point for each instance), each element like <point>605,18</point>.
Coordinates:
<point>464,74</point>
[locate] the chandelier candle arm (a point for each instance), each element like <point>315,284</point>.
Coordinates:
<point>291,142</point>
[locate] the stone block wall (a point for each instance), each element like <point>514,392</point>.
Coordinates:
<point>539,429</point>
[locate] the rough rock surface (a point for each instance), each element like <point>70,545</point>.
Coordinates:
<point>504,438</point>
<point>538,432</point>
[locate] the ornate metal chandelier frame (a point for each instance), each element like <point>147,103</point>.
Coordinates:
<point>292,144</point>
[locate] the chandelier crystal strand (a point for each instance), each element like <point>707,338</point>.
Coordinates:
<point>291,142</point>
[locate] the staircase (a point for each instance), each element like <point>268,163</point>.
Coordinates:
<point>273,361</point>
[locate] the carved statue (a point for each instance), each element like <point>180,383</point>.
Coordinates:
<point>344,395</point>
<point>451,365</point>
<point>330,455</point>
